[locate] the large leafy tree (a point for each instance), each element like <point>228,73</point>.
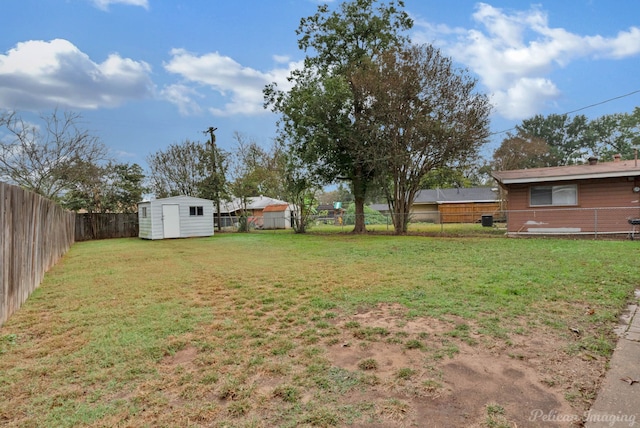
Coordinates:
<point>115,188</point>
<point>521,152</point>
<point>558,140</point>
<point>616,133</point>
<point>570,140</point>
<point>423,114</point>
<point>49,158</point>
<point>126,187</point>
<point>448,177</point>
<point>323,114</point>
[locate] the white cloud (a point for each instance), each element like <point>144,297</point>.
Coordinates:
<point>38,74</point>
<point>514,53</point>
<point>281,59</point>
<point>104,4</point>
<point>241,86</point>
<point>525,97</point>
<point>124,154</point>
<point>182,96</point>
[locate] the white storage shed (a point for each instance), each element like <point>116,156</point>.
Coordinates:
<point>175,217</point>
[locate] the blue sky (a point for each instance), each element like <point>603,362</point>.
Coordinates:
<point>148,73</point>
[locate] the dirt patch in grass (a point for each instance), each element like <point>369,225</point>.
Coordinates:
<point>450,381</point>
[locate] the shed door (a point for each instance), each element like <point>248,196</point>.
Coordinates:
<point>171,221</point>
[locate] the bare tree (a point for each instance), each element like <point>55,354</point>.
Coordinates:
<point>177,171</point>
<point>257,170</point>
<point>51,159</point>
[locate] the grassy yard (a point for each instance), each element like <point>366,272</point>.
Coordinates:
<point>246,329</point>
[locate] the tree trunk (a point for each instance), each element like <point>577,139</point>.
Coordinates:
<point>400,218</point>
<point>401,209</point>
<point>359,193</point>
<point>359,220</point>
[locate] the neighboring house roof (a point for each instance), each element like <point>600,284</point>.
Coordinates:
<point>253,203</point>
<point>626,168</point>
<point>449,196</point>
<point>276,208</point>
<point>456,195</point>
<point>379,207</point>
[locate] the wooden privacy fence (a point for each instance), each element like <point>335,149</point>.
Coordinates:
<point>105,226</point>
<point>36,232</point>
<point>466,212</point>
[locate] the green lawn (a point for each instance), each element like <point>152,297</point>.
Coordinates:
<point>101,342</point>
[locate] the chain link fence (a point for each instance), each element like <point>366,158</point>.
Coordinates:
<point>574,221</point>
<point>619,222</point>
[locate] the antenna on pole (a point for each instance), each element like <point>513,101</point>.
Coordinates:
<point>211,131</point>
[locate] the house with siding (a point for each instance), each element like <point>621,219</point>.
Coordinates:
<point>457,205</point>
<point>254,209</point>
<point>175,217</point>
<point>590,199</point>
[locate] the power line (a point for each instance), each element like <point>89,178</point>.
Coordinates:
<point>604,102</point>
<point>579,109</point>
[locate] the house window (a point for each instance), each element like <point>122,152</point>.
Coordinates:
<point>144,212</point>
<point>196,211</point>
<point>554,195</point>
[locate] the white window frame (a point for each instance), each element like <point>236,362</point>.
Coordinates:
<point>564,195</point>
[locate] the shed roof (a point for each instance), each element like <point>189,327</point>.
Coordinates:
<point>623,168</point>
<point>177,198</point>
<point>276,208</point>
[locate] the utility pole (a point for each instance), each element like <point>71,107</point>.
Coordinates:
<point>214,169</point>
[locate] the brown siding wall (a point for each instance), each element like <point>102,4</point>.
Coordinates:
<point>592,195</point>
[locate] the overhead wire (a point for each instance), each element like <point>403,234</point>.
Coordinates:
<point>578,109</point>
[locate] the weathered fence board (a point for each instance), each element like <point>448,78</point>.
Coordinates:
<point>36,232</point>
<point>105,226</point>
